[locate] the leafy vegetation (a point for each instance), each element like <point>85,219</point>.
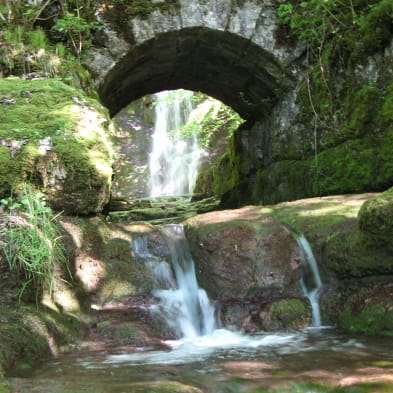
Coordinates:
<point>32,245</point>
<point>337,35</point>
<point>46,39</point>
<point>210,117</point>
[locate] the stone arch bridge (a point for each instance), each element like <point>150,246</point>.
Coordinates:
<point>225,48</point>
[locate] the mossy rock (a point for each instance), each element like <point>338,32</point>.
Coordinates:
<point>369,308</point>
<point>105,265</point>
<point>286,314</point>
<point>330,224</point>
<point>57,138</point>
<point>30,333</point>
<point>376,218</point>
<point>352,167</point>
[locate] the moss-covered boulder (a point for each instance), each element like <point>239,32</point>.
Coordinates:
<point>376,218</point>
<point>55,137</point>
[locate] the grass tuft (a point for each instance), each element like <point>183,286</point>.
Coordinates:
<point>33,245</point>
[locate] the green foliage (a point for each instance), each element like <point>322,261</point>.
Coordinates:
<point>26,49</point>
<point>360,25</point>
<point>337,34</point>
<point>33,245</point>
<point>76,28</point>
<point>208,118</point>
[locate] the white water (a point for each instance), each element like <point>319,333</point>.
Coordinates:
<point>184,306</point>
<point>173,161</point>
<point>311,291</point>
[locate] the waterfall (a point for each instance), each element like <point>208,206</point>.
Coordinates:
<point>184,306</point>
<point>173,161</point>
<point>311,281</point>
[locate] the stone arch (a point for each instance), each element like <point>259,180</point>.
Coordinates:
<point>221,64</point>
<point>227,49</point>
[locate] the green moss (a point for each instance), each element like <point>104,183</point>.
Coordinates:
<point>75,170</point>
<point>288,314</point>
<point>376,28</point>
<point>330,225</point>
<point>4,387</point>
<point>362,107</point>
<point>28,333</point>
<point>354,166</point>
<point>379,387</point>
<point>373,319</point>
<point>376,218</point>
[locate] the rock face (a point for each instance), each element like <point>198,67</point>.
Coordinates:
<point>104,262</point>
<point>133,128</point>
<point>249,263</point>
<point>58,139</point>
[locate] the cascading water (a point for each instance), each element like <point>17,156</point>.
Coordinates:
<point>311,281</point>
<point>173,161</point>
<point>185,307</point>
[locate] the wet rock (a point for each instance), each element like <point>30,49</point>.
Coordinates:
<point>159,210</point>
<point>163,387</point>
<point>133,128</point>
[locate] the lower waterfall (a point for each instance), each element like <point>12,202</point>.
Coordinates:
<point>183,305</point>
<point>311,281</point>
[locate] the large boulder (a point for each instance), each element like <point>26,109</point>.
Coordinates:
<point>243,253</point>
<point>57,138</point>
<point>249,263</point>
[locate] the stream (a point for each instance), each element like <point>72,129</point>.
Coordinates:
<point>222,362</point>
<point>205,357</point>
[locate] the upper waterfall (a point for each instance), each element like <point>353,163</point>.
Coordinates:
<point>173,161</point>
